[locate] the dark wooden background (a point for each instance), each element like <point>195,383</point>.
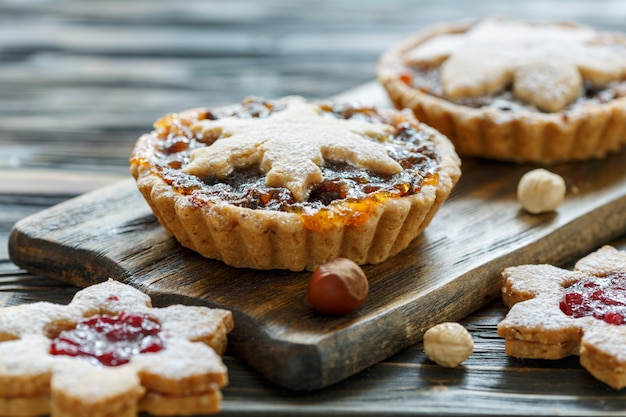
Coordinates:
<point>80,80</point>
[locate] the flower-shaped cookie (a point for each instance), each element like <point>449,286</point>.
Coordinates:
<point>110,353</point>
<point>556,313</point>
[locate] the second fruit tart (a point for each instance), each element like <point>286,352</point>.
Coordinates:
<point>512,90</point>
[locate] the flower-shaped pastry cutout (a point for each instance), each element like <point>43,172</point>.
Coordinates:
<point>546,63</point>
<point>309,137</point>
<point>556,313</point>
<point>53,358</point>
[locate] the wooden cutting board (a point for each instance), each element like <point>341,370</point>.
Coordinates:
<point>450,271</point>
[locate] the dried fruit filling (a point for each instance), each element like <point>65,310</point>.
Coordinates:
<point>603,298</point>
<point>411,147</point>
<point>111,340</point>
<point>428,80</point>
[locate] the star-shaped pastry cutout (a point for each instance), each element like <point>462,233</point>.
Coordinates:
<point>546,63</point>
<point>290,145</point>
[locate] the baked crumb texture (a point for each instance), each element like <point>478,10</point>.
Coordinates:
<point>538,325</point>
<point>184,378</point>
<point>292,184</point>
<point>515,91</point>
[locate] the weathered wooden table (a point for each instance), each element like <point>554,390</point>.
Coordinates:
<point>79,81</point>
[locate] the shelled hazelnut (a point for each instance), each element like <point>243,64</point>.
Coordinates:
<point>540,191</point>
<point>448,344</point>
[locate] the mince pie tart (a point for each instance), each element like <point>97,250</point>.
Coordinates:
<point>515,91</point>
<point>291,184</point>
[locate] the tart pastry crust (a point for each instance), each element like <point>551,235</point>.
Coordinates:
<point>291,184</point>
<point>515,91</point>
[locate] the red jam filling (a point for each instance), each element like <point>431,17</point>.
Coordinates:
<point>602,298</point>
<point>112,340</point>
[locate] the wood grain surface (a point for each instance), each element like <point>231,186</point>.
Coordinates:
<point>80,80</point>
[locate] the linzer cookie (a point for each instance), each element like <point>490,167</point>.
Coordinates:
<point>109,353</point>
<point>292,184</point>
<point>513,90</point>
<point>557,313</point>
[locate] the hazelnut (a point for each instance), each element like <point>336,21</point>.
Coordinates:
<point>337,287</point>
<point>540,191</point>
<point>448,344</point>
